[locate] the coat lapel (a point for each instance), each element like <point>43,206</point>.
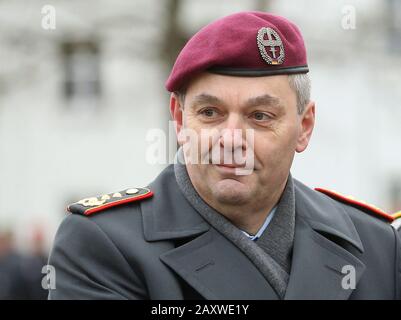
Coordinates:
<point>215,268</point>
<point>318,261</point>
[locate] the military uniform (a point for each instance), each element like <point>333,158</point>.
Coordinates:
<point>159,247</point>
<point>164,242</point>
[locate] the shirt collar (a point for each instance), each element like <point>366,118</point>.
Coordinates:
<point>263,227</point>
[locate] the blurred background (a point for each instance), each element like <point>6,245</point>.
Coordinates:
<point>82,83</point>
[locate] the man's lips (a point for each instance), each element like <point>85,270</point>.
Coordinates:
<point>232,166</point>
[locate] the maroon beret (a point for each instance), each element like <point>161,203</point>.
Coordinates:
<point>247,44</point>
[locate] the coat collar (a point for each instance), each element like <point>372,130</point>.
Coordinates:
<point>325,215</point>
<point>208,262</point>
<point>215,268</point>
<point>168,215</point>
<point>320,265</point>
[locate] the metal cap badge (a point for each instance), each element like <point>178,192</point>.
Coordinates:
<point>275,49</point>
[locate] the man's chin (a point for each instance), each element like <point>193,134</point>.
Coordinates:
<point>231,191</point>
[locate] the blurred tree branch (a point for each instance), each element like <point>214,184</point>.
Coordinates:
<point>173,38</point>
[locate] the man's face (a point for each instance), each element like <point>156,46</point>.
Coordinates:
<point>231,108</point>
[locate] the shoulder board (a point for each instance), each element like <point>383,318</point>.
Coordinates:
<point>362,205</point>
<point>91,205</point>
<point>396,215</point>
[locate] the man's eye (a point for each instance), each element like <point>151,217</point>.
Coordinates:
<point>209,112</point>
<point>261,116</point>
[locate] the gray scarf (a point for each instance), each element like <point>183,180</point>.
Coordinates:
<point>271,253</point>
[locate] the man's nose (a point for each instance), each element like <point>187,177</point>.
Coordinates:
<point>231,135</point>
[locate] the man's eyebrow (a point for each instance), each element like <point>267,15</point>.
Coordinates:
<point>205,98</point>
<point>265,100</point>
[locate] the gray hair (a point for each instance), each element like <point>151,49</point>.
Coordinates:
<point>299,82</point>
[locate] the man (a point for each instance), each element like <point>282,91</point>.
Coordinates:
<point>228,221</point>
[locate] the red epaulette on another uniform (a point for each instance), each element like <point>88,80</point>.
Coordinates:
<point>366,207</point>
<point>91,205</point>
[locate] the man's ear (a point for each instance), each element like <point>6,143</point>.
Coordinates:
<point>176,111</point>
<point>307,125</point>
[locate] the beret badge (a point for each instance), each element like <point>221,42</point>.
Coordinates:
<point>270,46</point>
